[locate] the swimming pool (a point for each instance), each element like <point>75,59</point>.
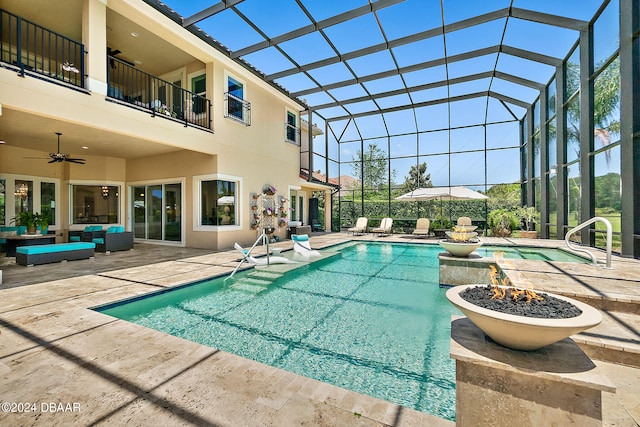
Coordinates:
<point>371,319</point>
<point>530,253</point>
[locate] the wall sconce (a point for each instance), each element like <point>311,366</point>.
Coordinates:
<point>105,191</point>
<point>22,191</point>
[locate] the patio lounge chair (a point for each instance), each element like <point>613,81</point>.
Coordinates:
<point>360,227</point>
<point>385,227</point>
<point>464,222</point>
<point>246,257</point>
<point>422,227</point>
<point>302,247</point>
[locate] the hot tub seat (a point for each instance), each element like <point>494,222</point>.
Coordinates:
<point>45,254</point>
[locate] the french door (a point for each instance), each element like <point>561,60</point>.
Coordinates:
<point>157,212</point>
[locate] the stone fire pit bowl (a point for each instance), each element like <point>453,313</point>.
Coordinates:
<point>520,332</point>
<point>460,249</point>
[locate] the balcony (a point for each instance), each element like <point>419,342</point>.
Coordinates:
<point>237,109</point>
<point>292,134</point>
<point>36,51</point>
<point>141,90</point>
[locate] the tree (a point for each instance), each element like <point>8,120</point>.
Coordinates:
<point>504,196</point>
<point>606,98</point>
<point>418,178</point>
<point>375,175</point>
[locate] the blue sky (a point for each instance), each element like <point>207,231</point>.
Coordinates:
<point>390,24</point>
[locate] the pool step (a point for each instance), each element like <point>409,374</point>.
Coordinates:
<point>615,340</point>
<point>615,303</point>
<point>249,287</point>
<point>269,275</point>
<point>256,281</point>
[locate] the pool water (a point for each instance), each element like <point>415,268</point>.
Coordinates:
<point>372,319</point>
<point>531,253</point>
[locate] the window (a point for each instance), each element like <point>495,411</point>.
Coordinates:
<point>218,202</point>
<point>3,201</point>
<point>292,130</point>
<point>199,88</point>
<point>48,201</point>
<point>236,107</point>
<point>95,204</point>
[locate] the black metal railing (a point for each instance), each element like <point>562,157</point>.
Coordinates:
<point>237,109</point>
<point>292,134</point>
<point>160,97</point>
<point>34,49</point>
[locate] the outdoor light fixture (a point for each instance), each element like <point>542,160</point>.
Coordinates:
<point>105,191</point>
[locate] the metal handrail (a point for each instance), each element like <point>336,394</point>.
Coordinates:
<point>237,109</point>
<point>591,254</point>
<point>292,134</point>
<point>262,237</point>
<point>37,50</point>
<point>130,85</point>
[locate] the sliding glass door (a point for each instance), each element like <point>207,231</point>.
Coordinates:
<point>157,212</point>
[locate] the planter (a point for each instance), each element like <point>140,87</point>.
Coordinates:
<point>528,234</point>
<point>460,249</point>
<point>500,232</point>
<point>520,332</point>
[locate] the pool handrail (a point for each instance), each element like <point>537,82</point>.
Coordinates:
<point>591,254</point>
<point>263,237</point>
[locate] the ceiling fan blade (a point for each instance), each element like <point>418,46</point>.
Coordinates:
<point>78,161</point>
<point>53,161</point>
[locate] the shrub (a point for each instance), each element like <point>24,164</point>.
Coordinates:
<point>502,222</point>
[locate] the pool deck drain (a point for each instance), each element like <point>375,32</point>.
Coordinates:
<point>53,349</point>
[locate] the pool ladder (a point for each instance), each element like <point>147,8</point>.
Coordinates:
<point>587,223</point>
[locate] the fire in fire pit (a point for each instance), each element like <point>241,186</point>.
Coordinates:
<point>520,302</point>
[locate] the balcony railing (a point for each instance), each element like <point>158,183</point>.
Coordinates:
<point>292,134</point>
<point>164,99</point>
<point>237,109</point>
<point>35,50</point>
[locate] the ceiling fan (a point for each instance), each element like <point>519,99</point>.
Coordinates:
<point>113,53</point>
<point>58,157</point>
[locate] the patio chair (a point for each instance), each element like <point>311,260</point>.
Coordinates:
<point>360,227</point>
<point>302,247</point>
<point>422,227</point>
<point>385,227</point>
<point>464,222</point>
<point>316,225</point>
<point>246,257</point>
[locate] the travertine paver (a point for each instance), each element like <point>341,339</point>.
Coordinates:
<point>53,349</point>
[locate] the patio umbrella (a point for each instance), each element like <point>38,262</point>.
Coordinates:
<point>226,200</point>
<point>442,193</point>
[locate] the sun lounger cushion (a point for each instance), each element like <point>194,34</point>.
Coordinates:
<point>43,254</point>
